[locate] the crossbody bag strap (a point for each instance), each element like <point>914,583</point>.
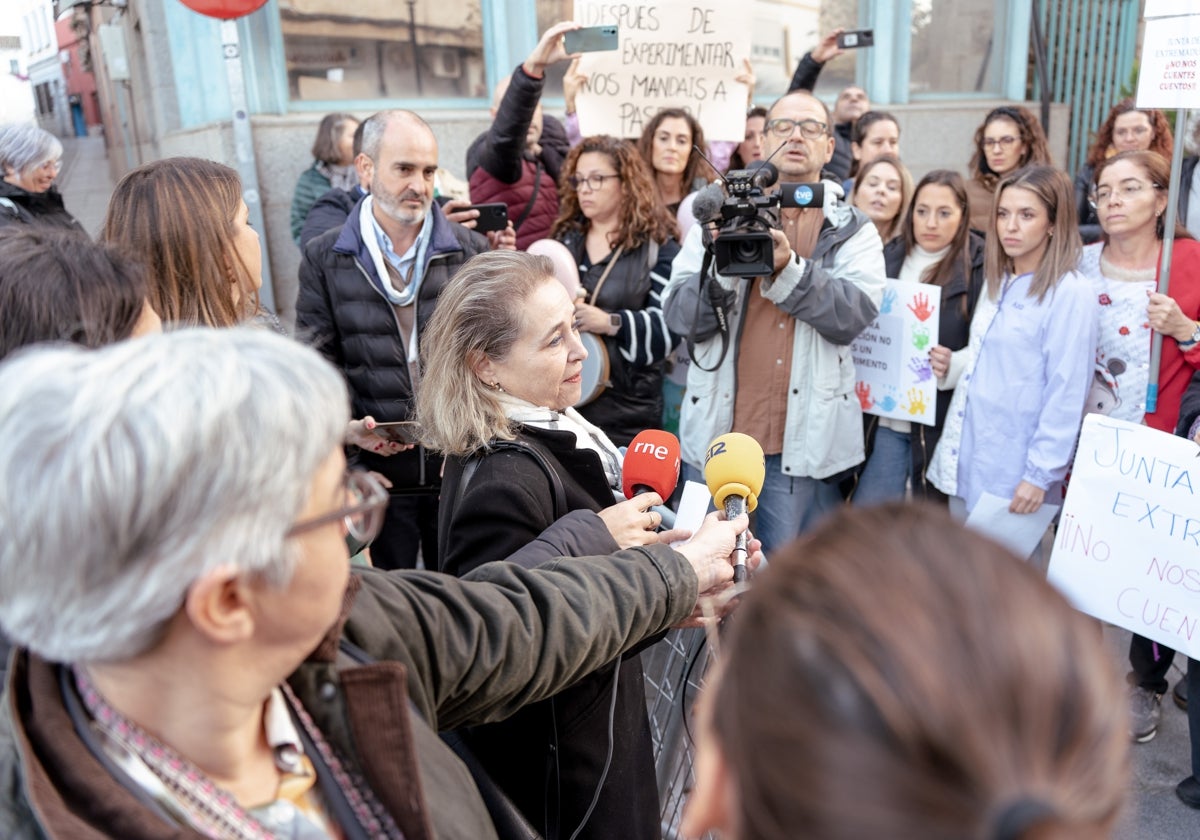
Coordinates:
<point>537,185</point>
<point>612,261</point>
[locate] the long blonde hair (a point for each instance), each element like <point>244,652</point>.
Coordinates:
<point>478,316</point>
<point>1056,193</point>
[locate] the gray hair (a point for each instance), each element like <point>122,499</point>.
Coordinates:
<point>23,146</point>
<point>375,126</point>
<point>134,470</point>
<point>478,316</point>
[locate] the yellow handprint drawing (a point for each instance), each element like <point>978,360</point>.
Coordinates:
<point>916,402</point>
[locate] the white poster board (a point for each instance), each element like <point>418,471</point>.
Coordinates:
<point>1127,549</point>
<point>891,357</point>
<point>1169,75</point>
<point>672,54</point>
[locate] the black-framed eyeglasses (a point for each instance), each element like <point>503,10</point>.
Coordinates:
<point>362,514</point>
<point>809,129</point>
<point>594,181</point>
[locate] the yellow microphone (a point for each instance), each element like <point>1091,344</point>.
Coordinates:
<point>734,470</point>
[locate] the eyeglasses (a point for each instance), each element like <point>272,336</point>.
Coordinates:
<point>809,129</point>
<point>593,181</point>
<point>54,164</point>
<point>362,514</point>
<point>1005,142</point>
<point>1126,192</point>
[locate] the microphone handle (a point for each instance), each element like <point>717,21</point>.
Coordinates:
<point>735,506</point>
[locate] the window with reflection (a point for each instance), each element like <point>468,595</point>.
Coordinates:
<point>956,46</point>
<point>383,49</point>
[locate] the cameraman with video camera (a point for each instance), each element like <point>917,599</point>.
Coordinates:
<point>769,326</point>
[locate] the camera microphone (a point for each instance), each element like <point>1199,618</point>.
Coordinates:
<point>765,173</point>
<point>706,206</point>
<point>734,470</point>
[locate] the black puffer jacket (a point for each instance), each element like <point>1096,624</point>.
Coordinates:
<point>18,206</point>
<point>807,72</point>
<point>959,297</point>
<point>342,311</point>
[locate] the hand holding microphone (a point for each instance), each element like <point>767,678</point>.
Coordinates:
<point>734,471</point>
<point>648,476</point>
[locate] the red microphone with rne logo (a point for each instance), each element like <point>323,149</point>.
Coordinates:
<point>651,464</point>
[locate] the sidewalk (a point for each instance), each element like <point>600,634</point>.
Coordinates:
<point>84,181</point>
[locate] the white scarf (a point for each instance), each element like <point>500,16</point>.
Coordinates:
<point>587,436</point>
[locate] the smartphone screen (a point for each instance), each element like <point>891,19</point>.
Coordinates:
<point>856,38</point>
<point>591,39</point>
<point>401,431</point>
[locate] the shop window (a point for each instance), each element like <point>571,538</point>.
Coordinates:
<point>383,49</point>
<point>956,46</point>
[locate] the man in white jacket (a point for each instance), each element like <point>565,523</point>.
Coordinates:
<point>785,376</point>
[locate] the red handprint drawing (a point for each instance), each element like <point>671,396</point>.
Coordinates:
<point>920,307</point>
<point>863,391</point>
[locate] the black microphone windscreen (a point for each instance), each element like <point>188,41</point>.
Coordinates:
<point>706,206</point>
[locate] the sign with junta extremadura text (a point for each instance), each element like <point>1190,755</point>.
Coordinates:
<point>1127,548</point>
<point>1169,76</point>
<point>671,54</point>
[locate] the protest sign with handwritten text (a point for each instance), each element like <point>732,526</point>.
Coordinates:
<point>672,54</point>
<point>891,357</point>
<point>1127,549</point>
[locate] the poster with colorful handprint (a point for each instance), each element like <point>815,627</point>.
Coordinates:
<point>891,357</point>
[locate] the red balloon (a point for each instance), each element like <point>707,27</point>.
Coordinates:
<point>224,9</point>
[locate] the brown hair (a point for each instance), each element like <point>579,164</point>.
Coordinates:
<point>1056,193</point>
<point>1158,170</point>
<point>940,273</point>
<point>693,170</point>
<point>58,285</point>
<point>1037,150</point>
<point>325,146</point>
<point>176,217</point>
<point>894,651</point>
<point>858,132</point>
<point>906,190</point>
<point>478,316</point>
<point>735,160</point>
<point>1160,132</point>
<point>642,216</point>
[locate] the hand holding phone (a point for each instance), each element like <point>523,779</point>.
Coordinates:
<point>591,39</point>
<point>853,39</point>
<point>400,431</point>
<point>493,216</point>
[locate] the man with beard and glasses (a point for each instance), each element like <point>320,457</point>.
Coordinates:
<point>367,290</point>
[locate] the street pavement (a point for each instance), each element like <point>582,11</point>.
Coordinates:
<point>85,181</point>
<point>1154,813</point>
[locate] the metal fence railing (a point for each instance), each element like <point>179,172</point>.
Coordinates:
<point>674,669</point>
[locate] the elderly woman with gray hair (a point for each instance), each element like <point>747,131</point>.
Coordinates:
<point>196,657</point>
<point>31,158</point>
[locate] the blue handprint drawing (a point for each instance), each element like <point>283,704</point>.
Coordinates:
<point>889,300</point>
<point>922,368</point>
<point>888,403</point>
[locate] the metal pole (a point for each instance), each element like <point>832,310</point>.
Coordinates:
<point>412,35</point>
<point>1168,242</point>
<point>243,146</point>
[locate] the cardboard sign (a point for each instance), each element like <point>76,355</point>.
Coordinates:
<point>1127,550</point>
<point>1169,76</point>
<point>891,357</point>
<point>672,54</point>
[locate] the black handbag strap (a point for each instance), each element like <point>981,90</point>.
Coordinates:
<point>533,451</point>
<point>537,185</point>
<point>715,299</point>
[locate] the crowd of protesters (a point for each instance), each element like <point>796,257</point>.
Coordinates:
<point>194,655</point>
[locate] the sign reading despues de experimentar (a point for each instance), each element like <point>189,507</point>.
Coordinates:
<point>1169,75</point>
<point>1127,549</point>
<point>893,376</point>
<point>672,54</point>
